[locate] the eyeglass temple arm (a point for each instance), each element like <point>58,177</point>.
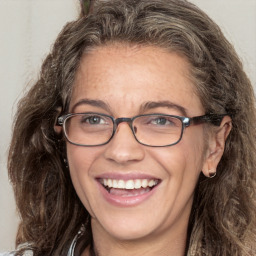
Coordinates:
<point>211,118</point>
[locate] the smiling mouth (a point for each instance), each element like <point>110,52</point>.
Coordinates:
<point>126,188</point>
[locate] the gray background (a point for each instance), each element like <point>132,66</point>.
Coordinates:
<point>28,29</point>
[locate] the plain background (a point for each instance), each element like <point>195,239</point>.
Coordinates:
<point>28,29</point>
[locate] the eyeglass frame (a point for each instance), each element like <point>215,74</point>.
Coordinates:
<point>214,119</point>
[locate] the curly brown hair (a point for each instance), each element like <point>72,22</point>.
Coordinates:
<point>223,218</point>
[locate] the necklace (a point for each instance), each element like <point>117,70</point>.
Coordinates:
<point>71,251</point>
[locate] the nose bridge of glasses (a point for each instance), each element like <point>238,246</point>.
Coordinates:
<point>122,120</point>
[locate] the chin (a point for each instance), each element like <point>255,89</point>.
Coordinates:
<point>129,233</point>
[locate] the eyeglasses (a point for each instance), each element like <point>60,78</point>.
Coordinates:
<point>154,130</point>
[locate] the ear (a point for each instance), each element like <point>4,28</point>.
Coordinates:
<point>57,128</point>
<point>216,146</point>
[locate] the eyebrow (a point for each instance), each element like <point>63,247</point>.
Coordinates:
<point>167,104</point>
<point>144,107</point>
<point>95,103</point>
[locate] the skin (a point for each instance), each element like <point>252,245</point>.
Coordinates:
<point>124,78</point>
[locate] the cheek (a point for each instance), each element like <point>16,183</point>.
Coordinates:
<point>80,159</point>
<point>182,162</point>
<point>80,162</point>
<point>194,146</point>
<point>180,158</point>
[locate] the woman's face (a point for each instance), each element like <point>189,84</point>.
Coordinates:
<point>125,81</point>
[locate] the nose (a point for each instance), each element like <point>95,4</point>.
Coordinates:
<point>123,147</point>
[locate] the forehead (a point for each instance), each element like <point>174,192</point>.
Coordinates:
<point>134,74</point>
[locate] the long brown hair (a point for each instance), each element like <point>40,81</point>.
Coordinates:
<point>223,214</point>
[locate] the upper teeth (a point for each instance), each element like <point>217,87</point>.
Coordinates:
<point>129,184</point>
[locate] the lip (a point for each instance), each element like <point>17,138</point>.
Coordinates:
<point>126,201</point>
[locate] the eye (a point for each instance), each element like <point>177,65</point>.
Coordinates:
<point>93,120</point>
<point>163,121</point>
<point>160,121</point>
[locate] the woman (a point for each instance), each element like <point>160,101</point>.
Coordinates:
<point>137,139</point>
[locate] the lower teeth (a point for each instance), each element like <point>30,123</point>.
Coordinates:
<point>128,192</point>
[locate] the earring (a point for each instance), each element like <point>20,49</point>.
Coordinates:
<point>212,174</point>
